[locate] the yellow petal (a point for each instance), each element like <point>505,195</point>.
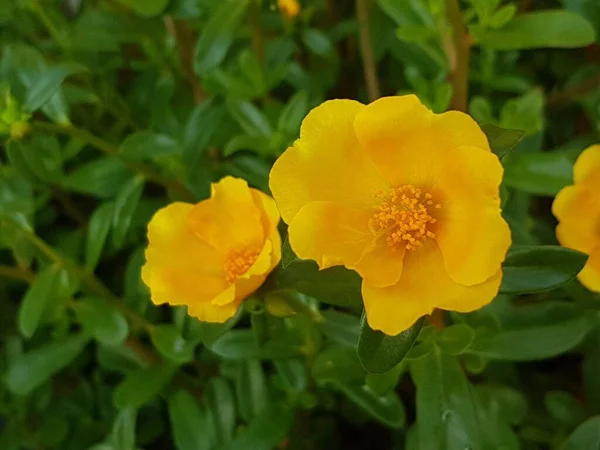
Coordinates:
<point>590,275</point>
<point>267,208</point>
<point>176,287</point>
<point>393,132</point>
<point>409,143</point>
<point>229,220</point>
<point>326,163</point>
<point>225,297</point>
<point>172,244</point>
<point>471,233</point>
<point>330,233</point>
<point>577,208</point>
<point>262,264</point>
<point>423,286</point>
<point>587,166</point>
<point>382,265</point>
<point>207,312</point>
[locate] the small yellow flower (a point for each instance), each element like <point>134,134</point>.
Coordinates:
<point>407,198</point>
<point>577,208</point>
<point>289,8</point>
<point>212,255</point>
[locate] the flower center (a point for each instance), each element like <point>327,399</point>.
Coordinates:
<point>237,263</point>
<point>404,216</point>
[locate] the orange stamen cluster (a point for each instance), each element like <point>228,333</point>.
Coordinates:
<point>404,216</point>
<point>237,263</point>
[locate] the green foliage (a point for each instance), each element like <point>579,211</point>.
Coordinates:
<point>112,109</point>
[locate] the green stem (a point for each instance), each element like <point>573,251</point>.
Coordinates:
<point>458,57</point>
<point>16,273</point>
<point>54,33</point>
<point>366,47</point>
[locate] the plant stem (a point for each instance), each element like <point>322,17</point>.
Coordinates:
<point>185,46</point>
<point>17,273</point>
<point>258,44</point>
<point>368,59</point>
<point>54,33</point>
<point>459,58</point>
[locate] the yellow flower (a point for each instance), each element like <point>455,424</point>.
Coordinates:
<point>212,255</point>
<point>289,8</point>
<point>577,208</point>
<point>407,198</point>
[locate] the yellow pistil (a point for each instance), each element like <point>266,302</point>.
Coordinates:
<point>237,263</point>
<point>404,215</point>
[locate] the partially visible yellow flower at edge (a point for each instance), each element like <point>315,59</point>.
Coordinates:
<point>212,255</point>
<point>289,8</point>
<point>407,198</point>
<point>577,208</point>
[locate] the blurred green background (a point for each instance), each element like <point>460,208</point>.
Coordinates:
<point>111,109</point>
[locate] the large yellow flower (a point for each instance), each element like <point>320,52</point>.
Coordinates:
<point>407,198</point>
<point>577,208</point>
<point>212,255</point>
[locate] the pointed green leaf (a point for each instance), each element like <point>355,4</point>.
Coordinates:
<point>143,385</point>
<point>189,422</point>
<point>48,83</point>
<point>540,29</point>
<point>501,140</point>
<point>31,369</point>
<point>379,352</point>
<point>40,294</point>
<point>98,228</point>
<point>530,269</point>
<point>101,320</point>
<point>125,204</point>
<point>168,341</point>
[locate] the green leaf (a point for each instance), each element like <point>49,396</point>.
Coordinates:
<point>98,228</point>
<point>170,344</point>
<point>189,422</point>
<point>251,389</point>
<point>292,374</point>
<point>338,364</point>
<point>146,145</point>
<point>387,409</point>
<point>42,291</point>
<point>340,327</point>
<point>456,338</point>
<point>287,254</point>
<point>501,140</point>
<point>102,178</point>
<point>541,29</point>
<point>125,204</point>
<point>32,369</point>
<point>586,436</point>
<point>37,158</point>
<point>221,407</point>
<point>146,8</point>
<point>539,173</point>
<point>241,344</point>
<point>101,320</point>
<point>265,431</point>
<point>564,407</point>
<point>292,114</point>
<point>218,35</point>
<point>530,269</point>
<point>122,436</point>
<point>318,42</point>
<point>446,414</point>
<point>250,118</point>
<point>48,83</point>
<point>336,285</point>
<point>502,16</point>
<point>535,342</point>
<point>379,352</point>
<point>143,385</point>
